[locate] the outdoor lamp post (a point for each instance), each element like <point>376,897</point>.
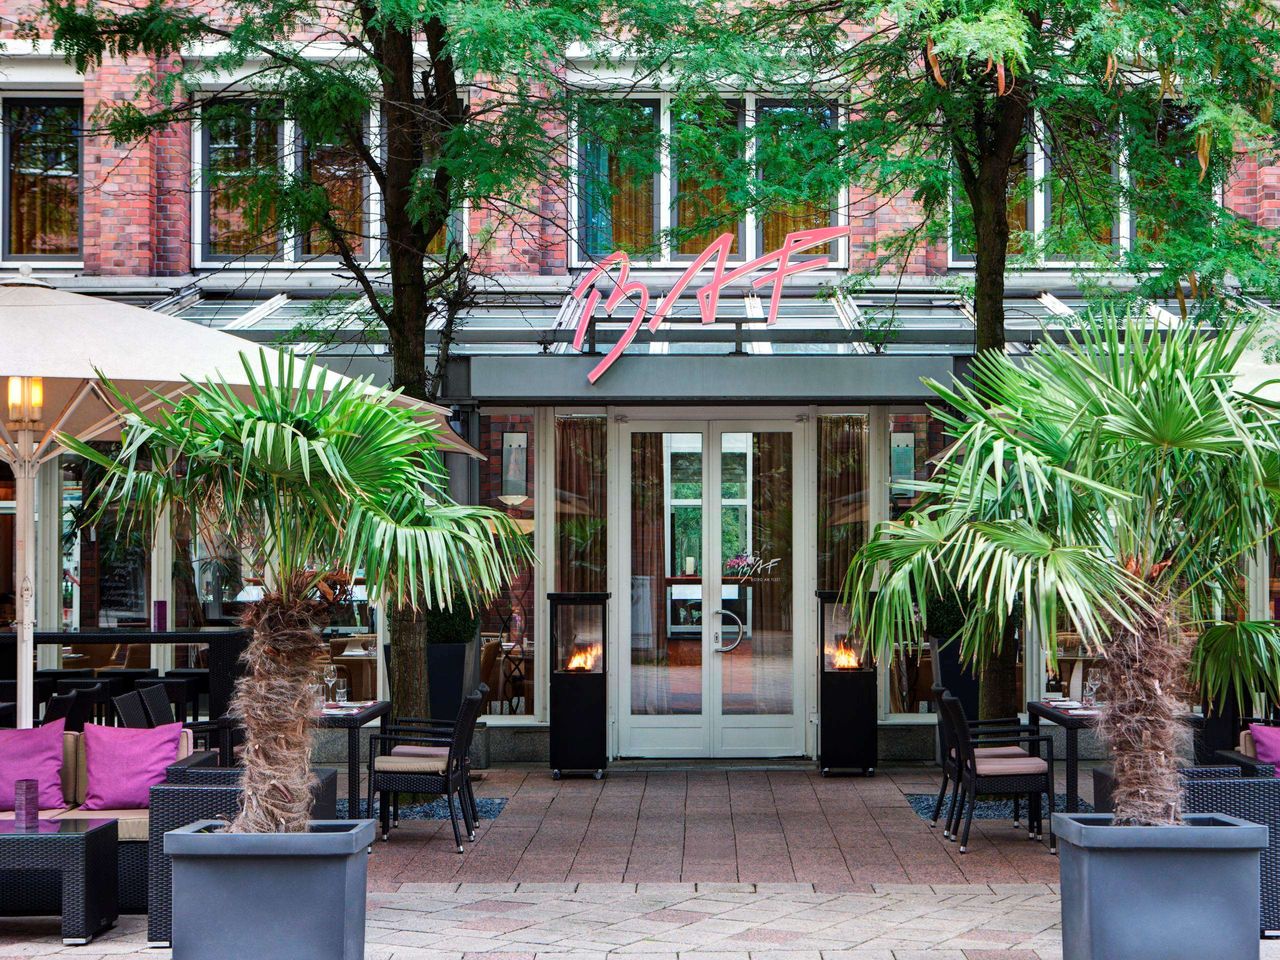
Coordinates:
<point>25,396</point>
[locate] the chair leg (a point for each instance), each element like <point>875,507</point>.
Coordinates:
<point>942,796</point>
<point>968,820</point>
<point>384,809</point>
<point>1033,815</point>
<point>453,820</point>
<point>952,815</point>
<point>467,820</point>
<point>1017,803</point>
<point>395,809</point>
<point>469,798</point>
<point>958,796</point>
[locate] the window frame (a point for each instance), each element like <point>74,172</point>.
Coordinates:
<point>661,125</point>
<point>205,194</point>
<point>666,258</point>
<point>833,220</point>
<point>39,98</point>
<point>368,240</point>
<point>740,106</point>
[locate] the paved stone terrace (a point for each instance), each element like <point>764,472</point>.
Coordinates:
<point>775,826</point>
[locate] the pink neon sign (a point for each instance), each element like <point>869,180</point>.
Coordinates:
<point>708,295</point>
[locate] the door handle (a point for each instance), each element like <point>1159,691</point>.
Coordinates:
<point>742,632</point>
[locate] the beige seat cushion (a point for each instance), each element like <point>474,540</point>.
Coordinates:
<point>44,814</point>
<point>1247,746</point>
<point>131,825</point>
<point>82,777</point>
<point>70,748</point>
<point>413,750</point>
<point>1010,766</point>
<point>991,752</point>
<point>403,764</point>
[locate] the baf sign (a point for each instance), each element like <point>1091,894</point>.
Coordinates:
<point>708,295</point>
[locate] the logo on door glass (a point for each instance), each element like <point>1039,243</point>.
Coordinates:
<point>708,295</point>
<point>750,568</point>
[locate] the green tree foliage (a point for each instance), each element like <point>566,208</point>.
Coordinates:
<point>1115,483</point>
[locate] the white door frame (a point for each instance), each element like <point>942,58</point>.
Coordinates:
<point>712,734</point>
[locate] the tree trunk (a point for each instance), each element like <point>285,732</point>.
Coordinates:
<point>1142,719</point>
<point>998,696</point>
<point>409,680</point>
<point>999,693</point>
<point>273,702</point>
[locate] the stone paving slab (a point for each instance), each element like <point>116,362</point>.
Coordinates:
<point>591,921</point>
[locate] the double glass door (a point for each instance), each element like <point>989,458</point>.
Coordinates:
<point>709,665</point>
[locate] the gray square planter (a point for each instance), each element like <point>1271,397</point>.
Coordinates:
<point>1188,892</point>
<point>274,896</point>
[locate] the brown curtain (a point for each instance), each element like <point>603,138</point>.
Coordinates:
<point>771,589</point>
<point>842,496</point>
<point>649,650</point>
<point>581,487</point>
<point>631,206</point>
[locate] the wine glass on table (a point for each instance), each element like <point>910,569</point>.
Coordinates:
<point>330,678</point>
<point>1092,681</point>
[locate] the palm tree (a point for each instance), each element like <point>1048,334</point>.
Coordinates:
<point>1117,482</point>
<point>313,485</point>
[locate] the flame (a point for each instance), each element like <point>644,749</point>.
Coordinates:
<point>584,658</point>
<point>846,658</point>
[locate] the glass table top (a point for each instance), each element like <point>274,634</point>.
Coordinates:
<point>70,826</point>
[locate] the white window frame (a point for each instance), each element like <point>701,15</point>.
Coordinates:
<point>667,258</point>
<point>45,262</point>
<point>290,256</point>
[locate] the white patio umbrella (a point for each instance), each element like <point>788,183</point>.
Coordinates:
<point>52,343</point>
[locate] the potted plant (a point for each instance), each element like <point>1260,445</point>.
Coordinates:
<point>451,636</point>
<point>312,484</point>
<point>1118,478</point>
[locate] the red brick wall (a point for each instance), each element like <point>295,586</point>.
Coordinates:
<point>138,204</point>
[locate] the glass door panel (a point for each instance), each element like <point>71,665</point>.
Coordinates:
<point>756,631</point>
<point>666,573</point>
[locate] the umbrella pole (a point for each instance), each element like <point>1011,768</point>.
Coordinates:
<point>24,563</point>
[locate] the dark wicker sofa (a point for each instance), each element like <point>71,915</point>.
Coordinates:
<point>1246,789</point>
<point>200,792</point>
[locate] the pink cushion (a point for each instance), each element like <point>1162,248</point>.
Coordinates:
<point>32,755</point>
<point>1266,742</point>
<point>122,764</point>
<point>1010,766</point>
<point>988,752</point>
<point>411,750</point>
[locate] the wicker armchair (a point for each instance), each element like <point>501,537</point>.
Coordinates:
<point>432,768</point>
<point>1011,776</point>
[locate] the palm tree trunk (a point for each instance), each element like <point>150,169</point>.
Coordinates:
<point>273,703</point>
<point>409,690</point>
<point>1142,720</point>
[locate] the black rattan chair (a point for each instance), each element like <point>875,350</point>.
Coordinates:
<point>1026,776</point>
<point>390,773</point>
<point>131,710</point>
<point>60,706</point>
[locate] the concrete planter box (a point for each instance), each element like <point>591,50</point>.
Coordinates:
<point>275,896</point>
<point>1159,893</point>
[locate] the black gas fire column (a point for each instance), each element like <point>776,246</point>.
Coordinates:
<point>579,721</point>
<point>847,694</point>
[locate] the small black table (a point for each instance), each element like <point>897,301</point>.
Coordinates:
<point>82,853</point>
<point>1072,724</point>
<point>352,722</point>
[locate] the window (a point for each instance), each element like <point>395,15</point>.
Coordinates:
<point>707,141</point>
<point>620,169</point>
<point>341,173</point>
<point>784,131</point>
<point>1018,212</point>
<point>42,178</point>
<point>242,141</point>
<point>507,649</point>
<point>1082,190</point>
